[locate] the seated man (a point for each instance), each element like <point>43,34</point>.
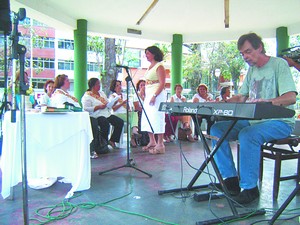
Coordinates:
<point>268,80</point>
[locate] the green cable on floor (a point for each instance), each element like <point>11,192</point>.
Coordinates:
<point>66,208</point>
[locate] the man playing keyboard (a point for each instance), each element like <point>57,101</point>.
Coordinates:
<point>268,80</point>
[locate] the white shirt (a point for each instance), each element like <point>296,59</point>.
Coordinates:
<point>197,96</point>
<point>122,109</point>
<point>177,99</point>
<point>59,97</point>
<point>44,99</point>
<point>89,102</point>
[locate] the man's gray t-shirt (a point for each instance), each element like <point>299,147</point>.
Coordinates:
<point>269,81</point>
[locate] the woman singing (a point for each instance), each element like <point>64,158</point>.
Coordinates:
<point>155,94</point>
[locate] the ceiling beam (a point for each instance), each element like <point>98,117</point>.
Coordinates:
<point>226,12</point>
<point>146,12</point>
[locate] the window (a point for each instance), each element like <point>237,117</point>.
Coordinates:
<point>92,66</point>
<point>26,21</point>
<point>40,24</point>
<point>66,44</point>
<point>44,42</point>
<point>43,63</point>
<point>65,65</point>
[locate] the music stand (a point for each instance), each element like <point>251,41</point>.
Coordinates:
<point>129,162</point>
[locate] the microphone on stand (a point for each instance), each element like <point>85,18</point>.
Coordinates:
<point>121,66</point>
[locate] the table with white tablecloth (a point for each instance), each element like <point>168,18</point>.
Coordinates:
<point>57,145</point>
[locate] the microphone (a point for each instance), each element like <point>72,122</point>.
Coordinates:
<point>121,66</point>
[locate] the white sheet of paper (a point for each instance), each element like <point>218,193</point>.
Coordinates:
<point>112,102</point>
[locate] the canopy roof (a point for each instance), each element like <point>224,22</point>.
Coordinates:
<point>196,20</point>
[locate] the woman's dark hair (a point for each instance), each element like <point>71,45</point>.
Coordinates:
<point>177,85</point>
<point>254,40</point>
<point>47,83</point>
<point>60,80</point>
<point>113,85</point>
<point>91,83</point>
<point>138,84</point>
<point>223,90</point>
<point>158,55</point>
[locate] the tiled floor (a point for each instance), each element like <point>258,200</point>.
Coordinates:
<point>128,196</point>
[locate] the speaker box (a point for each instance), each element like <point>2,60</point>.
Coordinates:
<point>5,21</point>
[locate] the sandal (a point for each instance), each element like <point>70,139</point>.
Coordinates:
<point>133,143</point>
<point>148,147</point>
<point>157,150</point>
<point>94,155</point>
<point>112,144</point>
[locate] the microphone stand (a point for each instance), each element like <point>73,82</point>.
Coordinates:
<point>128,161</point>
<point>4,107</point>
<point>18,52</point>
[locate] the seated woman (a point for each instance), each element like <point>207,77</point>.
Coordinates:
<point>45,98</point>
<point>140,87</point>
<point>95,102</point>
<point>120,109</point>
<point>185,120</point>
<point>202,96</point>
<point>29,95</point>
<point>61,95</point>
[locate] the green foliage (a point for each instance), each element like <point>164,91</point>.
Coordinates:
<point>200,65</point>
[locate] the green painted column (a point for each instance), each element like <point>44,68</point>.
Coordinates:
<point>176,70</point>
<point>282,39</point>
<point>80,59</point>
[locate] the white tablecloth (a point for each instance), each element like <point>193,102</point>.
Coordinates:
<point>57,145</point>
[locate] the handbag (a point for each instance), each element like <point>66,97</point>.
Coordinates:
<point>184,132</point>
<point>103,146</point>
<point>100,146</point>
<point>144,140</point>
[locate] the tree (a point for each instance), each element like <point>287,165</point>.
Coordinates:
<point>192,66</point>
<point>106,52</point>
<point>109,64</point>
<point>200,65</point>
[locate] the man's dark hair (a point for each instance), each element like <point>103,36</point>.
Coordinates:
<point>254,40</point>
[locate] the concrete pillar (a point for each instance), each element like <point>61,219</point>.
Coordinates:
<point>176,70</point>
<point>80,58</point>
<point>282,39</point>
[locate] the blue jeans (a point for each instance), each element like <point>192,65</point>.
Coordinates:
<point>250,137</point>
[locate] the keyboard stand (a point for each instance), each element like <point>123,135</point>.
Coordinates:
<point>209,158</point>
<point>285,204</point>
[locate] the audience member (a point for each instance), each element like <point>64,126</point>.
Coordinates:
<point>224,94</point>
<point>29,94</point>
<point>48,88</point>
<point>120,109</point>
<point>61,95</point>
<point>202,95</point>
<point>95,102</point>
<point>268,79</point>
<point>155,94</point>
<point>140,87</point>
<point>185,120</point>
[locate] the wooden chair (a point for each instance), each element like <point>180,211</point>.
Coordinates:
<point>275,150</point>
